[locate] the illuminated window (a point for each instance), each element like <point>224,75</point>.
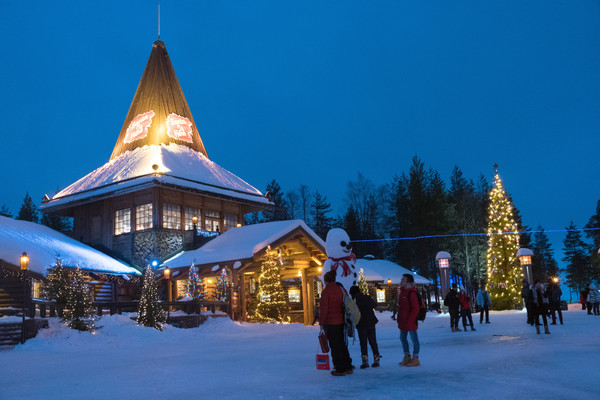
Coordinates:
<point>190,213</point>
<point>35,289</point>
<point>211,222</point>
<point>122,221</point>
<point>171,216</point>
<point>231,221</point>
<point>143,217</point>
<point>380,296</point>
<point>294,295</point>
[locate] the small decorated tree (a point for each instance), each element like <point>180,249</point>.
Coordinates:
<point>272,304</point>
<point>56,285</point>
<point>362,282</point>
<point>223,287</point>
<point>503,270</point>
<point>150,312</point>
<point>195,285</point>
<point>78,312</point>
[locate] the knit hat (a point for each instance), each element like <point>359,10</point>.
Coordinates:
<point>354,290</point>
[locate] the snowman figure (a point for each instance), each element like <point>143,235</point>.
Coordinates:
<point>340,258</point>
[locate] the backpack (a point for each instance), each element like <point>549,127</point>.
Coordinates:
<point>351,309</point>
<point>422,308</point>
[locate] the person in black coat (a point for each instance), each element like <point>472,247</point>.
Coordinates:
<point>366,326</point>
<point>451,301</point>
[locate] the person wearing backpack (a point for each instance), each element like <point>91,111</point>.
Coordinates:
<point>465,308</point>
<point>331,318</point>
<point>366,326</point>
<point>408,310</point>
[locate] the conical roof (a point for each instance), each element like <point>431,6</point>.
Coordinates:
<point>159,113</point>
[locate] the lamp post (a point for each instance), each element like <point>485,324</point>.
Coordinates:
<point>24,261</point>
<point>195,228</point>
<point>167,275</point>
<point>443,260</point>
<point>525,260</point>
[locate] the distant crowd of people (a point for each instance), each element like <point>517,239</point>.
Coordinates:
<point>590,300</point>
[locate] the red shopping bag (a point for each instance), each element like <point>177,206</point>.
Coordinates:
<point>323,361</point>
<point>323,342</point>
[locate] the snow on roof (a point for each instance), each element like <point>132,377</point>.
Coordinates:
<point>177,164</point>
<point>43,245</point>
<point>239,244</point>
<point>382,270</point>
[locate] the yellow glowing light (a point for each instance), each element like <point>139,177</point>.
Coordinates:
<point>24,261</point>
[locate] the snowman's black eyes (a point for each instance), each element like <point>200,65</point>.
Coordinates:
<point>343,244</point>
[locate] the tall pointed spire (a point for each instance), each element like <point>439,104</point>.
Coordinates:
<point>159,113</point>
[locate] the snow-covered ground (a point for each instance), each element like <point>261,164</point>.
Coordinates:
<point>227,360</point>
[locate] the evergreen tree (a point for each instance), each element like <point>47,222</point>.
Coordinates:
<point>320,210</point>
<point>543,263</point>
<point>305,196</point>
<point>195,285</point>
<point>279,210</point>
<point>593,233</point>
<point>223,287</point>
<point>272,304</point>
<point>351,224</point>
<point>362,282</point>
<point>57,222</point>
<point>5,212</point>
<point>579,271</point>
<point>504,271</point>
<point>79,311</point>
<point>56,285</point>
<point>28,211</point>
<point>150,312</point>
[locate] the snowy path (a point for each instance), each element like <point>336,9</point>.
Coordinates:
<point>222,359</point>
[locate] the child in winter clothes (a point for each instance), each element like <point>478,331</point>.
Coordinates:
<point>540,299</point>
<point>593,299</point>
<point>465,308</point>
<point>366,326</point>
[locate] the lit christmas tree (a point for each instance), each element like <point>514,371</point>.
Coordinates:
<point>195,285</point>
<point>79,311</point>
<point>503,269</point>
<point>272,304</point>
<point>223,285</point>
<point>56,285</point>
<point>362,282</point>
<point>150,312</point>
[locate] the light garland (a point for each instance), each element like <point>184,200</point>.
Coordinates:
<point>223,286</point>
<point>150,312</point>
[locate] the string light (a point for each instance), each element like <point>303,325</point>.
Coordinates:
<point>223,286</point>
<point>150,312</point>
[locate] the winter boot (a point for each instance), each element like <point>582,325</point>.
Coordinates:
<point>365,362</point>
<point>376,361</point>
<point>414,361</point>
<point>457,329</point>
<point>465,328</point>
<point>537,328</point>
<point>452,329</point>
<point>473,328</point>
<point>406,360</point>
<point>546,330</point>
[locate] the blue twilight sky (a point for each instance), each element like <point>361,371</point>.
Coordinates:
<point>313,92</point>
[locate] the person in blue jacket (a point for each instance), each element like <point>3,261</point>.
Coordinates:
<point>484,302</point>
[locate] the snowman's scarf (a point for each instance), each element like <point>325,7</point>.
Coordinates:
<point>342,261</point>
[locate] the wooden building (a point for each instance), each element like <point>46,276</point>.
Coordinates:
<point>159,191</point>
<point>241,252</point>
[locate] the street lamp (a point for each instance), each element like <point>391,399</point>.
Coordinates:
<point>167,275</point>
<point>525,259</point>
<point>24,261</point>
<point>195,228</point>
<point>443,259</point>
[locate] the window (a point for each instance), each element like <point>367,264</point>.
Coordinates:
<point>35,289</point>
<point>190,213</point>
<point>231,221</point>
<point>122,221</point>
<point>380,296</point>
<point>294,295</point>
<point>171,216</point>
<point>211,222</point>
<point>143,217</point>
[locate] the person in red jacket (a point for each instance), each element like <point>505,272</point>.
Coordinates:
<point>465,308</point>
<point>331,318</point>
<point>408,309</point>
